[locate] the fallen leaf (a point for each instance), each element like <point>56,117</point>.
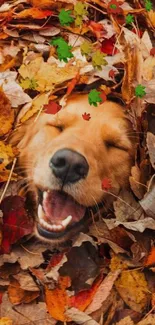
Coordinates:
<point>103,292</point>
<point>17,295</point>
<point>6,114</point>
<point>26,282</point>
<point>5,321</point>
<point>12,89</point>
<point>135,182</point>
<point>148,201</point>
<point>133,289</point>
<point>86,116</point>
<point>140,225</point>
<point>57,299</point>
<point>150,140</point>
<point>16,223</point>
<point>26,313</point>
<point>125,321</point>
<point>149,320</point>
<point>71,85</point>
<point>80,317</point>
<point>52,108</point>
<point>34,13</point>
<point>150,260</point>
<point>127,208</point>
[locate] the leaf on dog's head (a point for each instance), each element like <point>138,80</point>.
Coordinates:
<point>65,17</point>
<point>86,48</point>
<point>152,51</point>
<point>94,97</point>
<point>106,184</point>
<point>86,116</point>
<point>98,59</point>
<point>129,19</point>
<point>62,48</point>
<point>52,108</point>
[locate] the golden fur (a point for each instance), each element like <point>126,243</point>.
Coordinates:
<point>103,140</point>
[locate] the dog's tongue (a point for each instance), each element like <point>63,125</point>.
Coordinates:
<point>58,206</point>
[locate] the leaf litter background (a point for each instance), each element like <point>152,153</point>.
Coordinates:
<point>47,50</point>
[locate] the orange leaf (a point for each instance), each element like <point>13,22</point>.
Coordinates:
<point>34,13</point>
<point>151,258</point>
<point>71,84</point>
<point>82,300</point>
<point>86,116</point>
<point>57,299</point>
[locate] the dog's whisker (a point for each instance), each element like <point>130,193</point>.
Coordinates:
<point>120,199</point>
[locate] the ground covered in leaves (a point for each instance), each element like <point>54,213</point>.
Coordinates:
<point>49,49</point>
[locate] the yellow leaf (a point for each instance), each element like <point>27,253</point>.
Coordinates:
<point>148,68</point>
<point>133,289</point>
<point>48,75</point>
<point>5,321</point>
<point>6,114</point>
<point>37,105</point>
<point>7,154</point>
<point>151,16</point>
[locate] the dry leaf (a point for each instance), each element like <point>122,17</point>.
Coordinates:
<point>5,321</point>
<point>150,140</point>
<point>80,317</point>
<point>149,320</point>
<point>6,114</point>
<point>133,289</point>
<point>125,321</point>
<point>140,225</point>
<point>17,295</point>
<point>103,292</point>
<point>148,202</point>
<point>135,182</point>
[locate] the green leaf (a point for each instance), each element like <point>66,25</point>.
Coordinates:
<point>94,97</point>
<point>98,59</point>
<point>65,17</point>
<point>80,9</point>
<point>86,48</point>
<point>129,19</point>
<point>28,83</point>
<point>63,49</point>
<point>140,91</point>
<point>148,5</point>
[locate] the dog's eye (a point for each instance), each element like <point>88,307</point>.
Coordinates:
<point>111,144</point>
<point>59,127</point>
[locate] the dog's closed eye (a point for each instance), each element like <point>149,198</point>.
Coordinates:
<point>113,144</point>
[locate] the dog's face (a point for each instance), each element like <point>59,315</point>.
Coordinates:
<point>66,158</point>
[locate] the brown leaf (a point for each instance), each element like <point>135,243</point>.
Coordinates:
<point>150,140</point>
<point>149,320</point>
<point>17,295</point>
<point>125,321</point>
<point>26,314</point>
<point>148,202</point>
<point>103,292</point>
<point>80,317</point>
<point>135,182</point>
<point>6,114</point>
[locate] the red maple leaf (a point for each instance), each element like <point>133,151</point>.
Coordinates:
<point>52,108</point>
<point>152,51</point>
<point>103,96</point>
<point>108,46</point>
<point>106,184</point>
<point>112,73</point>
<point>16,222</point>
<point>86,116</point>
<point>114,7</point>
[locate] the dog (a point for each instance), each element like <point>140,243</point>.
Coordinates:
<point>66,157</point>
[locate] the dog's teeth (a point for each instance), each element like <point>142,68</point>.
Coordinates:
<point>66,221</point>
<point>40,212</point>
<point>45,194</point>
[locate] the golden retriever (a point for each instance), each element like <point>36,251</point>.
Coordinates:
<point>66,158</point>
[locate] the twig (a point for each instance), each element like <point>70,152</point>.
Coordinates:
<point>8,181</point>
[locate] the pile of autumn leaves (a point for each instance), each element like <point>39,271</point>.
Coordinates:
<point>108,276</point>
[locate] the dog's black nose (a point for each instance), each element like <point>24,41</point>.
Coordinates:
<point>69,166</point>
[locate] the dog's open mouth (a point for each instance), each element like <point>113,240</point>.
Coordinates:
<point>58,213</point>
